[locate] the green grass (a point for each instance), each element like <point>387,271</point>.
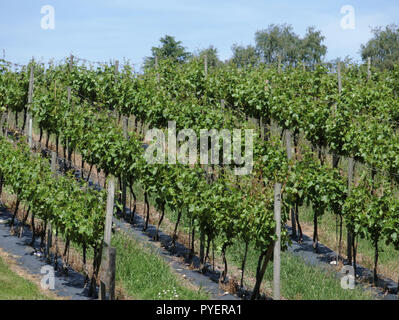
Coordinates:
<point>145,276</point>
<point>299,281</point>
<point>309,283</point>
<point>14,287</point>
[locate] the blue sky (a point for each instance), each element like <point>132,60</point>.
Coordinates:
<point>101,30</point>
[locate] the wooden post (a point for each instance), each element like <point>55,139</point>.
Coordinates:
<point>273,125</point>
<point>277,244</point>
<point>110,210</point>
<point>279,63</point>
<point>107,267</point>
<point>49,227</point>
<point>289,157</point>
<point>222,104</point>
<point>69,95</point>
<point>288,144</point>
<point>116,68</point>
<point>335,158</point>
<point>53,162</point>
<point>49,243</point>
<point>119,180</point>
<point>351,169</point>
<point>8,120</point>
<point>69,152</point>
<point>68,146</point>
<point>124,186</point>
<point>368,68</point>
<point>339,77</point>
<point>125,127</point>
<point>3,119</point>
<point>156,67</point>
<point>28,114</point>
<point>103,290</point>
<point>202,249</point>
<point>107,273</point>
<point>70,62</point>
<point>206,66</point>
<point>112,272</point>
<point>116,71</point>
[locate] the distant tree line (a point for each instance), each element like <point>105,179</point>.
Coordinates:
<point>280,44</point>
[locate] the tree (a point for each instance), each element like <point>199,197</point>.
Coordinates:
<point>212,55</point>
<point>312,50</point>
<point>281,41</point>
<point>277,41</point>
<point>171,49</point>
<point>383,47</point>
<point>244,56</point>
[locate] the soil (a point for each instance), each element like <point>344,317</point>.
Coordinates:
<point>73,260</point>
<point>66,287</point>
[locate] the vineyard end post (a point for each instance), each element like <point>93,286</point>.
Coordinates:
<point>49,227</point>
<point>156,67</point>
<point>351,166</point>
<point>29,114</point>
<point>108,261</point>
<point>368,68</point>
<point>206,66</point>
<point>289,157</point>
<point>277,244</point>
<point>124,184</point>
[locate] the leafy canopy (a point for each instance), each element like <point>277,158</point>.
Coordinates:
<point>169,49</point>
<point>281,41</point>
<point>383,47</point>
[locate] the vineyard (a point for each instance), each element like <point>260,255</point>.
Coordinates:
<point>328,135</point>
